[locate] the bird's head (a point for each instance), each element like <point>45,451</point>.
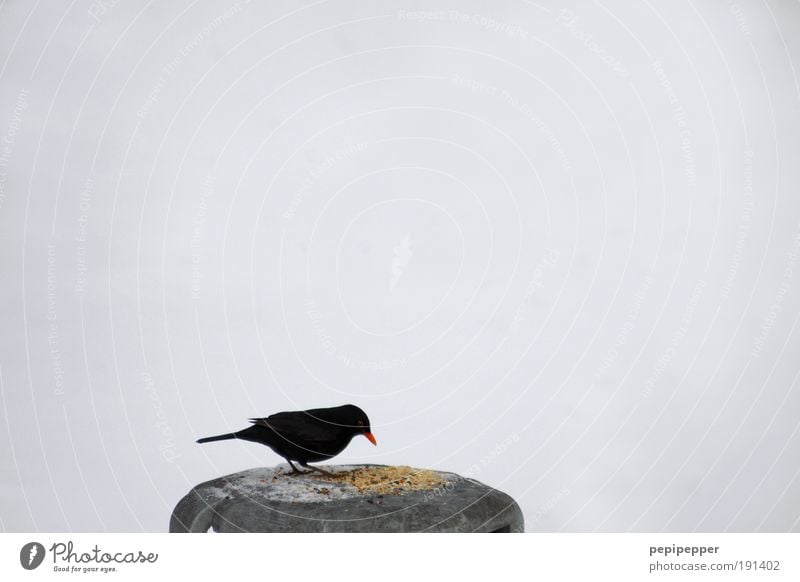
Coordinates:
<point>359,420</point>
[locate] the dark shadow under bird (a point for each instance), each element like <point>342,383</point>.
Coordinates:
<point>305,436</point>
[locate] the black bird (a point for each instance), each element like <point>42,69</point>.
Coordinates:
<point>305,436</point>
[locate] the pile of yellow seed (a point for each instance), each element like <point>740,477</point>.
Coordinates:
<point>388,480</point>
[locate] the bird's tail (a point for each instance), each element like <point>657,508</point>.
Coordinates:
<point>219,437</point>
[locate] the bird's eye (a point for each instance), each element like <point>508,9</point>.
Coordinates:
<point>359,423</point>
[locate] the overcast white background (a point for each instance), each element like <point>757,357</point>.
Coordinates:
<point>553,250</point>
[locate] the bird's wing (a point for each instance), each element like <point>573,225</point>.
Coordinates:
<point>282,421</point>
<point>296,427</point>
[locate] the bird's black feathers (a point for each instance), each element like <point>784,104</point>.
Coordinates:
<point>305,436</point>
<point>220,437</point>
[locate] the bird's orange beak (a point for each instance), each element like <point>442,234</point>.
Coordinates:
<point>371,438</point>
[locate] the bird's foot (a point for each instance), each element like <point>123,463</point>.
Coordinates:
<point>323,471</point>
<point>295,470</point>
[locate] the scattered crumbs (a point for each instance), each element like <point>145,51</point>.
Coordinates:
<point>387,480</point>
<point>347,482</point>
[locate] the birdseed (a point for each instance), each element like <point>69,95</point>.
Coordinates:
<point>387,480</point>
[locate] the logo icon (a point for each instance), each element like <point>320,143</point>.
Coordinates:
<point>401,259</point>
<point>31,555</point>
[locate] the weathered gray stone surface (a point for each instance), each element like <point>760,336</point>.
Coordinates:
<point>268,500</point>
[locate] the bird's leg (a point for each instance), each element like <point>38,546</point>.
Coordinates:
<point>323,471</point>
<point>295,470</point>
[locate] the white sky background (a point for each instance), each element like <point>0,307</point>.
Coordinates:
<point>554,251</point>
